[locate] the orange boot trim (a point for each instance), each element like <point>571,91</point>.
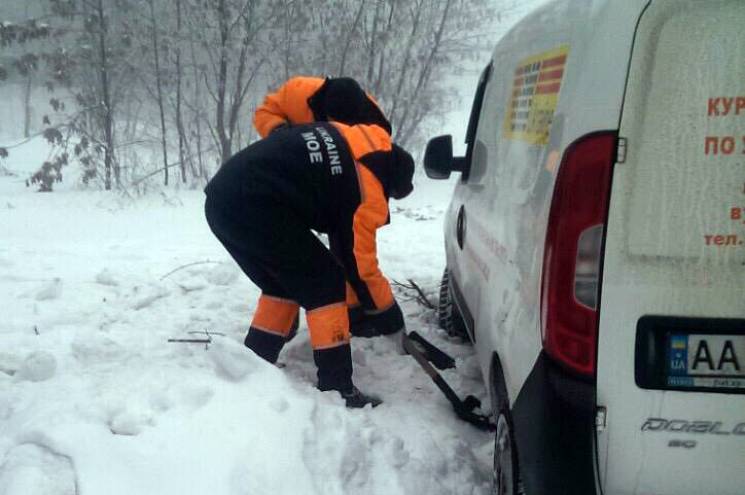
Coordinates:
<point>328,326</point>
<point>275,315</point>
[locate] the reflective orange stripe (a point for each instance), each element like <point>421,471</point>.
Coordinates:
<point>275,315</point>
<point>328,326</point>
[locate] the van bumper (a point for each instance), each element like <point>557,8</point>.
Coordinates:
<point>554,431</point>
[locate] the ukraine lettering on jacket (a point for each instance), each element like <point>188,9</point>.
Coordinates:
<point>313,141</point>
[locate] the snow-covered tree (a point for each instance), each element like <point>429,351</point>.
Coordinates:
<point>179,79</point>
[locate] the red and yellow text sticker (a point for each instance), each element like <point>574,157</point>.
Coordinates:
<point>535,93</point>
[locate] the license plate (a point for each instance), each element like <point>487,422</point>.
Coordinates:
<point>706,361</point>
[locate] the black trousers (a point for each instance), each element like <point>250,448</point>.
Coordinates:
<point>283,257</point>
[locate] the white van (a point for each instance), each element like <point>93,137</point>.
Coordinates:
<point>596,247</point>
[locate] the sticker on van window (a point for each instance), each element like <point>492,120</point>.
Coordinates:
<point>535,93</point>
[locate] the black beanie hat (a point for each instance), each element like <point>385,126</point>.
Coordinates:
<point>344,99</point>
<point>401,174</point>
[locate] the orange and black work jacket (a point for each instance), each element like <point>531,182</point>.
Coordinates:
<point>335,179</point>
<point>301,100</point>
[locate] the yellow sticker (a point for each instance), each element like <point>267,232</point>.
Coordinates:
<point>535,93</point>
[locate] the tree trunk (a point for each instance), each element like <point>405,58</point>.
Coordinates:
<point>222,79</point>
<point>405,130</point>
<point>347,44</point>
<point>381,63</point>
<point>108,112</point>
<point>27,106</point>
<point>373,41</point>
<point>159,89</point>
<point>201,171</point>
<point>179,96</point>
<point>398,93</point>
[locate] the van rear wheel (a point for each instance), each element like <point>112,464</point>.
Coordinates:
<point>505,475</point>
<point>449,318</point>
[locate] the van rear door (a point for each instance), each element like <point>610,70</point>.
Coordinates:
<point>671,344</point>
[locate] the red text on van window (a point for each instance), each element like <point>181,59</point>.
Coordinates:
<point>735,213</point>
<point>723,106</point>
<point>721,145</point>
<point>722,240</point>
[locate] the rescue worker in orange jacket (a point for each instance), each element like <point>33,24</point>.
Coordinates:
<point>265,202</point>
<point>303,100</point>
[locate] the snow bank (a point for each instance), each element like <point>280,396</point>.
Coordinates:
<point>95,400</point>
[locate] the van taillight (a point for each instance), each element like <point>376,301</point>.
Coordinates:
<point>572,256</point>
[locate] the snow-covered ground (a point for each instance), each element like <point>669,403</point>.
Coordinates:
<point>94,400</point>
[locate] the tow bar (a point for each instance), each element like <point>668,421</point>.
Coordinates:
<point>425,352</point>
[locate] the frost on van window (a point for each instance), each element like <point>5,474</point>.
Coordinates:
<point>683,181</point>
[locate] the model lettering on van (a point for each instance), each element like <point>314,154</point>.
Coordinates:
<point>694,426</point>
<point>684,444</point>
<point>723,106</point>
<point>722,240</point>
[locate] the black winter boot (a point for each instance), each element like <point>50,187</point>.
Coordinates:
<point>334,368</point>
<point>354,399</point>
<point>335,373</point>
<point>266,345</point>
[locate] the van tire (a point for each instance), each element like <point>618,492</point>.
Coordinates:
<point>506,473</point>
<point>448,316</point>
<point>505,458</point>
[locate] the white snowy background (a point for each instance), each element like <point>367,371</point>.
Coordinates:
<point>94,400</point>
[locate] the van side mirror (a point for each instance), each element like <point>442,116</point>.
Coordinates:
<point>439,160</point>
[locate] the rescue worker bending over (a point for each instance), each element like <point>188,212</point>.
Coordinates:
<point>303,100</point>
<point>263,205</point>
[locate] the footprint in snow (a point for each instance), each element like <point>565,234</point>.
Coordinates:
<point>105,277</point>
<point>232,360</point>
<point>130,422</point>
<point>223,274</point>
<point>96,348</point>
<point>149,296</point>
<point>51,290</point>
<point>30,468</point>
<point>38,366</point>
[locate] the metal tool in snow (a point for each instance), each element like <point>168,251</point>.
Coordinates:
<point>423,352</point>
<point>206,341</point>
<point>434,355</point>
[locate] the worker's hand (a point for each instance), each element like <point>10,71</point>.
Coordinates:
<point>359,324</point>
<point>372,324</point>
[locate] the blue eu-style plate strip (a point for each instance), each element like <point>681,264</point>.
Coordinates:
<point>677,356</point>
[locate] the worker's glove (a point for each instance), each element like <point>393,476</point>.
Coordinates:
<point>359,324</point>
<point>372,324</point>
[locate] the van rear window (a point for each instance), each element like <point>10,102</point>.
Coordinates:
<point>685,116</point>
